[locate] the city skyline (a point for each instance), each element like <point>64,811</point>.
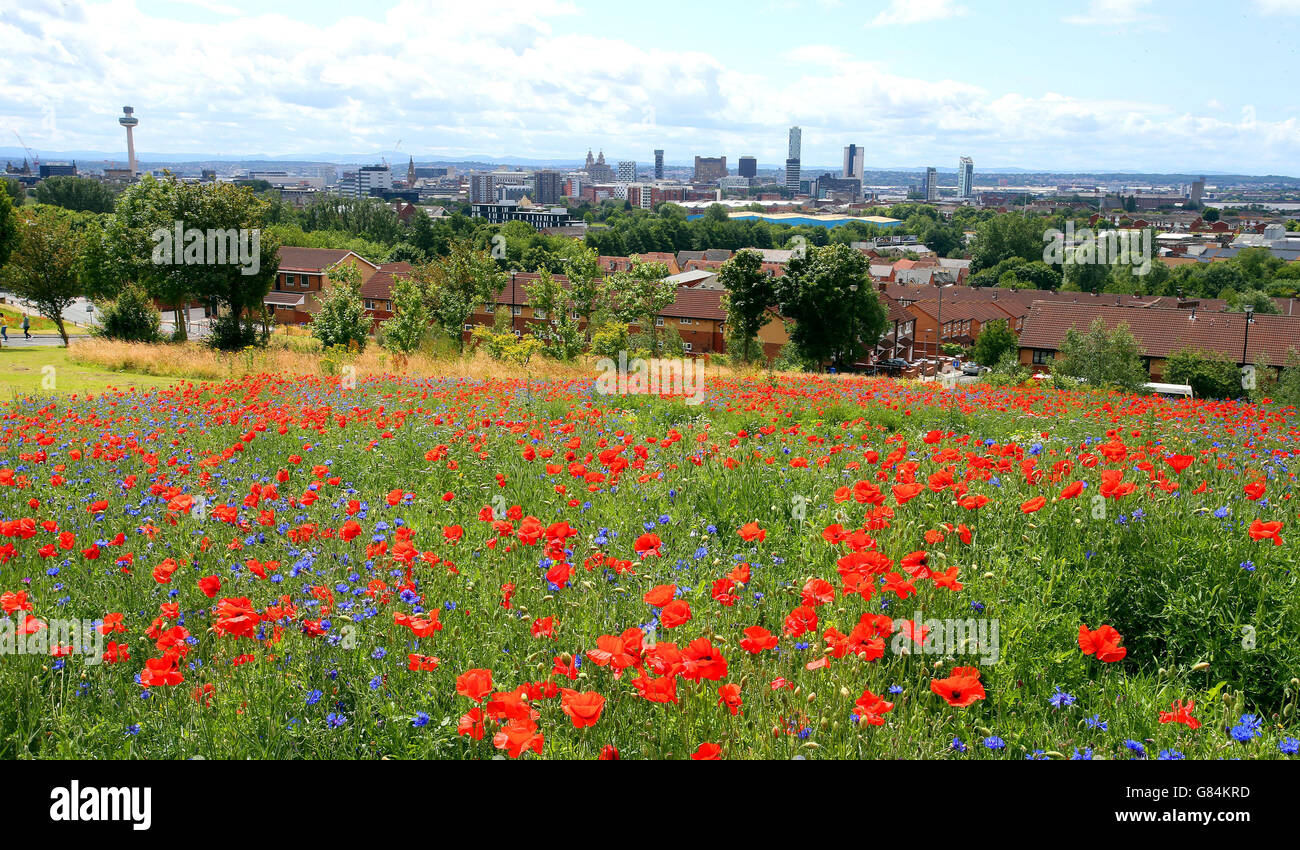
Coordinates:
<point>262,89</point>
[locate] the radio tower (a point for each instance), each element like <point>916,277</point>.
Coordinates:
<point>128,120</point>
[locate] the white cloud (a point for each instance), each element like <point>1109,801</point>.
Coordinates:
<point>902,12</point>
<point>1104,13</point>
<point>451,82</point>
<point>1278,7</point>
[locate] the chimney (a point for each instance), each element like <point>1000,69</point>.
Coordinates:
<point>1192,317</point>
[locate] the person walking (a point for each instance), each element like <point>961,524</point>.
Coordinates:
<point>27,326</point>
<point>4,329</point>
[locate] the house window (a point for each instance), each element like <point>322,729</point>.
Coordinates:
<point>659,321</point>
<point>516,311</point>
<point>289,280</point>
<point>683,321</point>
<point>574,314</point>
<point>688,346</point>
<point>539,314</point>
<point>489,308</point>
<point>469,327</point>
<point>370,305</point>
<point>1042,357</point>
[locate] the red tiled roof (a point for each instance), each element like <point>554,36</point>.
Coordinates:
<point>309,259</point>
<point>1162,332</point>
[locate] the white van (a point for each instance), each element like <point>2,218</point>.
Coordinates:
<point>1170,390</point>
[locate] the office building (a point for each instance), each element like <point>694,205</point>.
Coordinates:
<point>966,178</point>
<point>547,187</point>
<point>852,163</point>
<point>930,186</point>
<point>748,167</point>
<point>710,169</point>
<point>792,163</point>
<point>360,183</point>
<point>659,164</point>
<point>627,171</point>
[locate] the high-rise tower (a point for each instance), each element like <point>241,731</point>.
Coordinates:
<point>128,120</point>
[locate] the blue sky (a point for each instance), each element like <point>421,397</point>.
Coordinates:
<point>1159,85</point>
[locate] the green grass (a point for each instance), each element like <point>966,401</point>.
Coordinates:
<point>40,325</point>
<point>1161,568</point>
<point>22,373</point>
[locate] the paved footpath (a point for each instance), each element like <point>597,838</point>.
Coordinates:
<point>37,341</point>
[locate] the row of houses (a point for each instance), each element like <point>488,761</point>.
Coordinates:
<point>920,319</point>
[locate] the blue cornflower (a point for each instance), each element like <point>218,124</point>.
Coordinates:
<point>993,742</point>
<point>1086,755</point>
<point>958,745</point>
<point>1136,747</point>
<point>314,697</point>
<point>1289,746</point>
<point>1095,722</point>
<point>1247,729</point>
<point>1061,699</point>
<point>335,720</point>
<point>420,720</point>
<point>1170,755</point>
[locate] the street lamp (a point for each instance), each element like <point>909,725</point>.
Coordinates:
<point>853,327</point>
<point>1250,320</point>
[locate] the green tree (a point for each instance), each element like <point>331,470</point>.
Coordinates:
<point>1211,214</point>
<point>588,287</point>
<point>750,293</point>
<point>643,293</point>
<point>44,268</point>
<point>80,194</point>
<point>1288,384</point>
<point>1102,358</point>
<point>138,247</point>
<point>16,191</point>
<point>995,340</point>
<point>558,329</point>
<point>131,317</point>
<point>1210,375</point>
<point>8,228</point>
<point>341,319</point>
<point>1004,236</point>
<point>409,325</point>
<point>453,284</point>
<point>836,313</point>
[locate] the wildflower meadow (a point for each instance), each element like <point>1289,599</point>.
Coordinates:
<point>277,567</point>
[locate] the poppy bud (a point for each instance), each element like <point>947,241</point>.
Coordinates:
<point>812,697</point>
<point>988,575</point>
<point>1201,665</point>
<point>844,692</point>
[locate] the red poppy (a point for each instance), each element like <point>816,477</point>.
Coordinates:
<point>707,752</point>
<point>1266,531</point>
<point>1180,713</point>
<point>582,708</point>
<point>961,689</point>
<point>475,684</point>
<point>757,639</point>
<point>729,695</point>
<point>1104,643</point>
